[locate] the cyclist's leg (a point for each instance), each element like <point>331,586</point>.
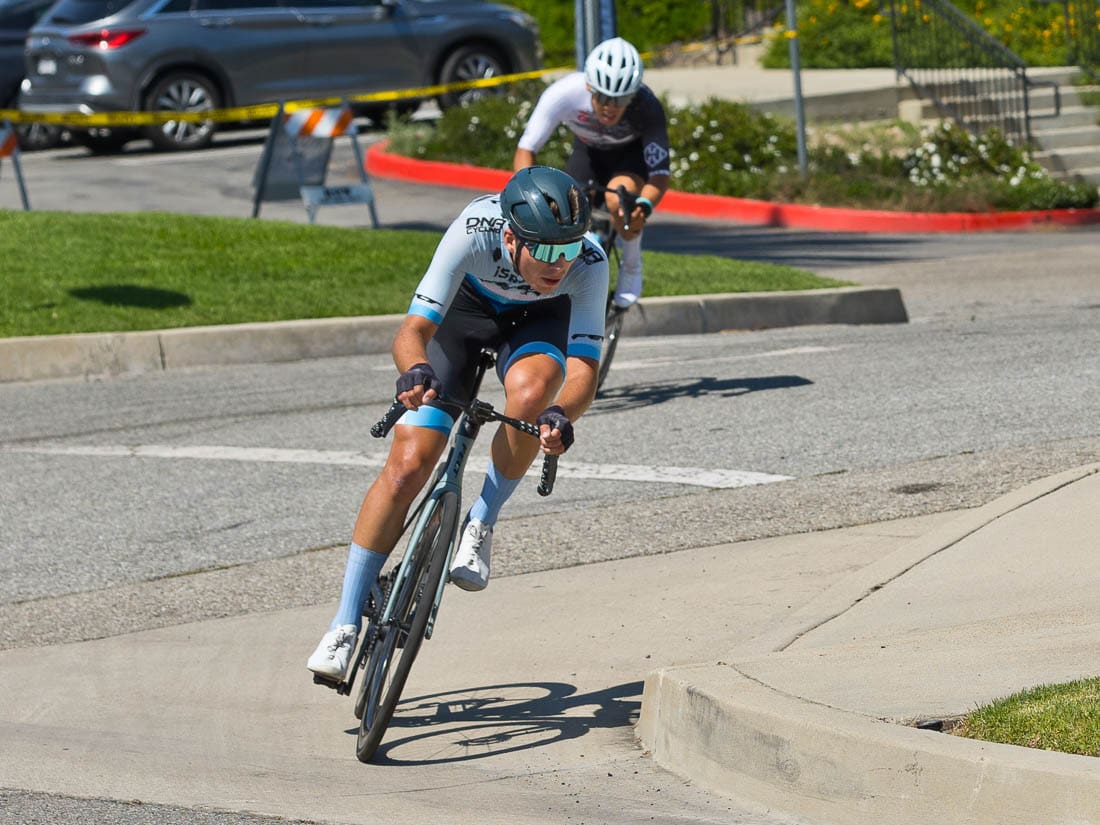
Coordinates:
<point>624,166</point>
<point>418,442</point>
<point>532,368</point>
<point>413,454</point>
<point>531,365</point>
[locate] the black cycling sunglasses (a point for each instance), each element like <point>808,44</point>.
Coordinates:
<point>607,100</point>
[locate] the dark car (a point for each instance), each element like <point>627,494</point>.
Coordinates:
<point>196,55</point>
<point>16,19</point>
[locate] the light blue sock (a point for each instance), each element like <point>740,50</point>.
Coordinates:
<point>362,569</point>
<point>496,490</point>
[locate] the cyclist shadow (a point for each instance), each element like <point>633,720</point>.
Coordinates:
<point>474,723</point>
<point>615,398</point>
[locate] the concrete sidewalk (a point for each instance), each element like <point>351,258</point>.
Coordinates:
<point>814,717</point>
<point>814,650</point>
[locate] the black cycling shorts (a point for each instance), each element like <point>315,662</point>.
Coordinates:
<point>601,165</point>
<point>472,323</point>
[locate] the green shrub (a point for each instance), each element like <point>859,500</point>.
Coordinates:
<point>648,24</point>
<point>857,33</point>
<point>722,147</point>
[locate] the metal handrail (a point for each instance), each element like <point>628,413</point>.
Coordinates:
<point>968,74</point>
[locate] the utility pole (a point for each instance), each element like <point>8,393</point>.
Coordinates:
<point>594,22</point>
<point>796,71</point>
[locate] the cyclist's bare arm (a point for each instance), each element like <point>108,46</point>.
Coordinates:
<point>523,159</point>
<point>410,346</point>
<point>652,190</point>
<point>579,389</point>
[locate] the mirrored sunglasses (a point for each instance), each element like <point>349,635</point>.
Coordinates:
<point>607,100</point>
<point>549,252</point>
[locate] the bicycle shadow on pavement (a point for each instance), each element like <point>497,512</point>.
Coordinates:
<point>478,722</point>
<point>618,398</point>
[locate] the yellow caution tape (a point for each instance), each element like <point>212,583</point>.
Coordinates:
<point>263,111</point>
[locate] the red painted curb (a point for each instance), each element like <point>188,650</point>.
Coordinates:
<point>381,163</point>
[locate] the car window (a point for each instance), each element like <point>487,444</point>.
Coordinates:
<point>75,12</point>
<point>176,6</point>
<point>20,16</point>
<point>233,5</point>
<point>329,4</point>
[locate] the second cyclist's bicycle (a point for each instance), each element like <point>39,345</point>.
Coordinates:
<point>403,604</point>
<point>604,228</point>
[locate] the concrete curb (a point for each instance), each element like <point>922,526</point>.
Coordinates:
<point>741,738</point>
<point>734,734</point>
<point>111,354</point>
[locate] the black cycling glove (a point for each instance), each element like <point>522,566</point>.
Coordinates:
<point>557,419</point>
<point>419,374</point>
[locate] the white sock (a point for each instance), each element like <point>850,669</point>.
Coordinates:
<point>632,254</point>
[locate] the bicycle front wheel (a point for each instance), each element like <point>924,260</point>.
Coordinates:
<point>398,642</point>
<point>612,329</point>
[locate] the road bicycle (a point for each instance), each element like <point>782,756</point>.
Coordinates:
<point>604,228</point>
<point>403,604</point>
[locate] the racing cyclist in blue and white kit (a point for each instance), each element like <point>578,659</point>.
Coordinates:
<point>514,272</point>
<point>620,138</point>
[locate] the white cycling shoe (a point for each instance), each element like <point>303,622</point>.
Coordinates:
<point>470,568</point>
<point>332,655</point>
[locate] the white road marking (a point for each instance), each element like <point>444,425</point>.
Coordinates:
<point>665,360</point>
<point>694,476</point>
<point>674,360</point>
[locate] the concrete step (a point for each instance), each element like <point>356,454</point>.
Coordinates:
<point>1069,137</point>
<point>1070,160</point>
<point>1087,175</point>
<point>1070,116</point>
<point>1041,101</point>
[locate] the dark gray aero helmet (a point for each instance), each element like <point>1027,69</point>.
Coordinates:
<point>545,205</point>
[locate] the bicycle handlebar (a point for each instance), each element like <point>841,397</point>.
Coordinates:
<point>627,199</point>
<point>484,413</point>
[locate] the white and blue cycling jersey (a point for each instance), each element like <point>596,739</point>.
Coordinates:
<point>472,251</point>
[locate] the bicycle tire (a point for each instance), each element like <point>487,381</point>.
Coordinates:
<point>385,675</point>
<point>613,327</point>
<point>372,613</point>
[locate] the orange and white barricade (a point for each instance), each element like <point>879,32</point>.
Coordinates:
<point>295,160</point>
<point>9,148</point>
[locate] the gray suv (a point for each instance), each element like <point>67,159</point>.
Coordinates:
<point>16,18</point>
<point>196,55</point>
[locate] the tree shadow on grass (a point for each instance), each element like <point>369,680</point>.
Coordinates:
<point>130,295</point>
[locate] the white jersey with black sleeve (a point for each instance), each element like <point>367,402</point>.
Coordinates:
<point>472,251</point>
<point>567,101</point>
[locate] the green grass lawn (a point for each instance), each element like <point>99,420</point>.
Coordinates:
<point>1062,717</point>
<point>65,272</point>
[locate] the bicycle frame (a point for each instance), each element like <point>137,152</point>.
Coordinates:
<point>447,480</point>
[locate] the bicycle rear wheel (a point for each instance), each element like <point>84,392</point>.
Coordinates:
<point>398,642</point>
<point>612,329</point>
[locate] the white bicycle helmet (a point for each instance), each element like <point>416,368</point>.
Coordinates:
<point>614,68</point>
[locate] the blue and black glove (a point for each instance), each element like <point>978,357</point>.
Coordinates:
<point>420,374</point>
<point>556,418</point>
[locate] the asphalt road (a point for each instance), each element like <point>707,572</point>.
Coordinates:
<point>249,477</point>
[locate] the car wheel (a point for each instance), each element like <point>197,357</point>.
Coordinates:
<point>182,92</point>
<point>469,63</point>
<point>102,141</point>
<point>33,136</point>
